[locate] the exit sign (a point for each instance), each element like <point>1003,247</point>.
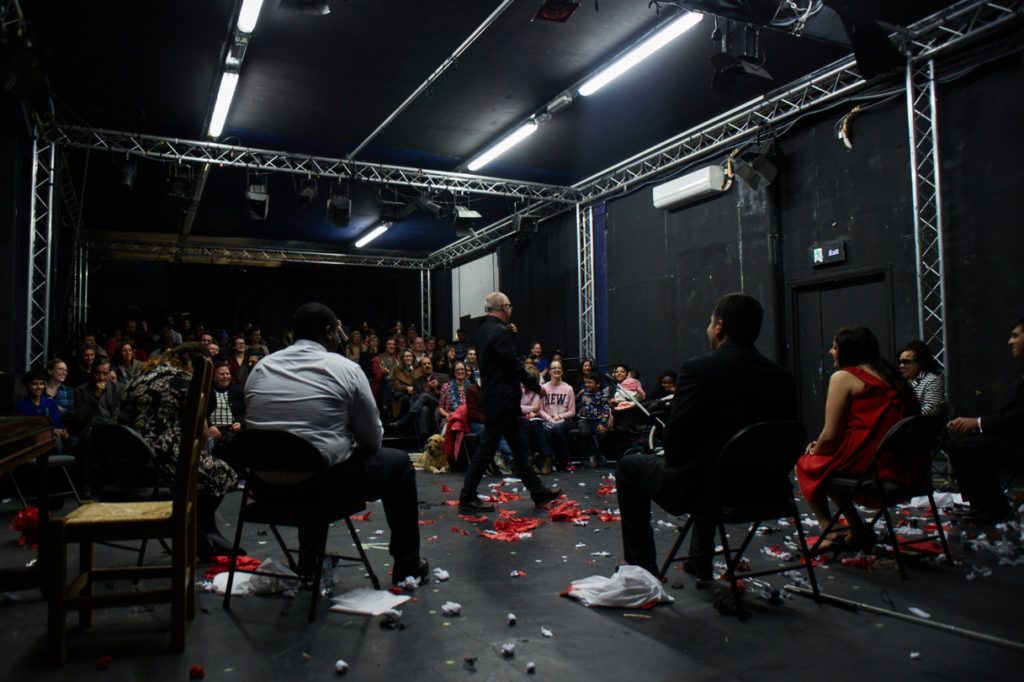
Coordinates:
<point>827,253</point>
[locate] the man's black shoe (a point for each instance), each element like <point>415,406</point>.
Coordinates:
<point>475,507</point>
<point>700,571</point>
<point>401,572</point>
<point>542,497</point>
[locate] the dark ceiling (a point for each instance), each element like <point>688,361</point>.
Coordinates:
<point>322,84</point>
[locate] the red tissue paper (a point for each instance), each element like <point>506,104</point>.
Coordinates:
<point>196,672</point>
<point>220,564</point>
<point>362,517</point>
<point>27,521</point>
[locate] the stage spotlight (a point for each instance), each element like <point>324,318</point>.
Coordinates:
<point>180,180</point>
<point>257,197</point>
<point>126,171</point>
<point>339,206</point>
<point>307,191</point>
<point>555,10</point>
<point>755,165</point>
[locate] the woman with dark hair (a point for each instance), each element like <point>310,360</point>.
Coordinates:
<point>922,371</point>
<point>236,353</point>
<point>152,405</point>
<point>62,394</point>
<point>866,397</point>
<point>666,385</point>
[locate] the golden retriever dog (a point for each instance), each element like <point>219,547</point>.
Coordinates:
<point>433,458</point>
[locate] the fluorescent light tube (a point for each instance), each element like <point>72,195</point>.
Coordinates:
<point>641,52</point>
<point>372,234</point>
<point>228,82</point>
<point>248,15</point>
<point>504,145</point>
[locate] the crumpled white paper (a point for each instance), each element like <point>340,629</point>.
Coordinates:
<point>247,583</point>
<point>451,608</point>
<point>629,588</point>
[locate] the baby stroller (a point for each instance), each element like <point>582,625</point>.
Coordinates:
<point>643,423</point>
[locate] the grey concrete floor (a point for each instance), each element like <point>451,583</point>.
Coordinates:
<point>268,637</point>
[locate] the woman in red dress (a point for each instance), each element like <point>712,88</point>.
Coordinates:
<point>866,397</point>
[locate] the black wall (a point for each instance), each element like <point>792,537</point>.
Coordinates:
<point>666,268</point>
<point>541,283</point>
<point>229,296</point>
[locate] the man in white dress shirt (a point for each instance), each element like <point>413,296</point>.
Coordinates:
<point>313,392</point>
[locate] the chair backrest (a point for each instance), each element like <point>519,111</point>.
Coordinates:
<point>124,457</point>
<point>282,467</point>
<point>755,464</point>
<point>910,437</point>
<point>193,435</point>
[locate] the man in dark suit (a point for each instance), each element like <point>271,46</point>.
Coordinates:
<point>717,394</point>
<point>979,440</point>
<point>501,375</point>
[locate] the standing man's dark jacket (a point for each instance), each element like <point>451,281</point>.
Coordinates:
<point>500,371</point>
<point>1009,420</point>
<point>717,394</point>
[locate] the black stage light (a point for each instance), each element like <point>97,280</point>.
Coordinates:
<point>307,191</point>
<point>180,180</point>
<point>126,171</point>
<point>339,206</point>
<point>555,10</point>
<point>257,197</point>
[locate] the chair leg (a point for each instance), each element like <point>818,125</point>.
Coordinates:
<point>731,560</point>
<point>86,563</point>
<point>895,540</point>
<point>362,553</point>
<point>178,599</point>
<point>56,626</point>
<point>942,531</point>
<point>190,569</point>
<point>234,561</point>
<point>681,535</point>
<point>321,553</point>
<point>284,548</point>
<point>808,559</point>
<point>71,484</point>
<point>17,490</point>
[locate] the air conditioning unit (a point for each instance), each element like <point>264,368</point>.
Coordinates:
<point>690,187</point>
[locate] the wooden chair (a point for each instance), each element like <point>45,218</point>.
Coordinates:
<point>119,521</point>
<point>750,484</point>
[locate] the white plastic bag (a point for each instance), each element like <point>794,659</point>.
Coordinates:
<point>631,587</point>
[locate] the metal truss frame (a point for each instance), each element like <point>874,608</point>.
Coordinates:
<point>585,279</point>
<point>40,255</point>
<point>927,199</point>
<point>925,38</point>
<point>195,252</point>
<point>80,290</point>
<point>425,323</point>
<point>265,160</point>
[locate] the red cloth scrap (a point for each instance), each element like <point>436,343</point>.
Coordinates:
<point>473,519</point>
<point>453,503</point>
<point>604,515</point>
<point>220,564</point>
<point>500,497</point>
<point>503,536</point>
<point>517,525</point>
<point>506,513</point>
<point>566,510</point>
<point>426,522</point>
<point>362,517</point>
<point>446,489</point>
<point>456,529</point>
<point>606,489</point>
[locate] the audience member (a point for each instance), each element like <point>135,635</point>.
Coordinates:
<point>152,405</point>
<point>125,363</point>
<point>447,362</point>
<point>461,344</point>
<point>337,411</point>
<point>866,397</point>
<point>61,393</point>
<point>531,405</point>
<point>402,385</point>
<point>256,345</point>
<point>537,353</point>
<point>425,397</point>
<point>381,369</point>
<point>453,392</point>
<point>98,401</point>
<point>717,394</point>
<point>594,412</point>
<point>419,348</point>
<point>917,366</point>
<point>81,371</point>
<point>226,410</point>
<point>36,404</point>
<point>558,410</point>
<point>979,440</point>
<point>666,385</point>
<point>237,357</point>
<point>471,367</point>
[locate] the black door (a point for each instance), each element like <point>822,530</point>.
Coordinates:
<point>819,309</point>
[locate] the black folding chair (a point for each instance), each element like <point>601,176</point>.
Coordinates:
<point>751,483</point>
<point>911,437</point>
<point>287,484</point>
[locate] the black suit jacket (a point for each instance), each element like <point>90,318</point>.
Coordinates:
<point>719,393</point>
<point>500,371</point>
<point>1009,420</point>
